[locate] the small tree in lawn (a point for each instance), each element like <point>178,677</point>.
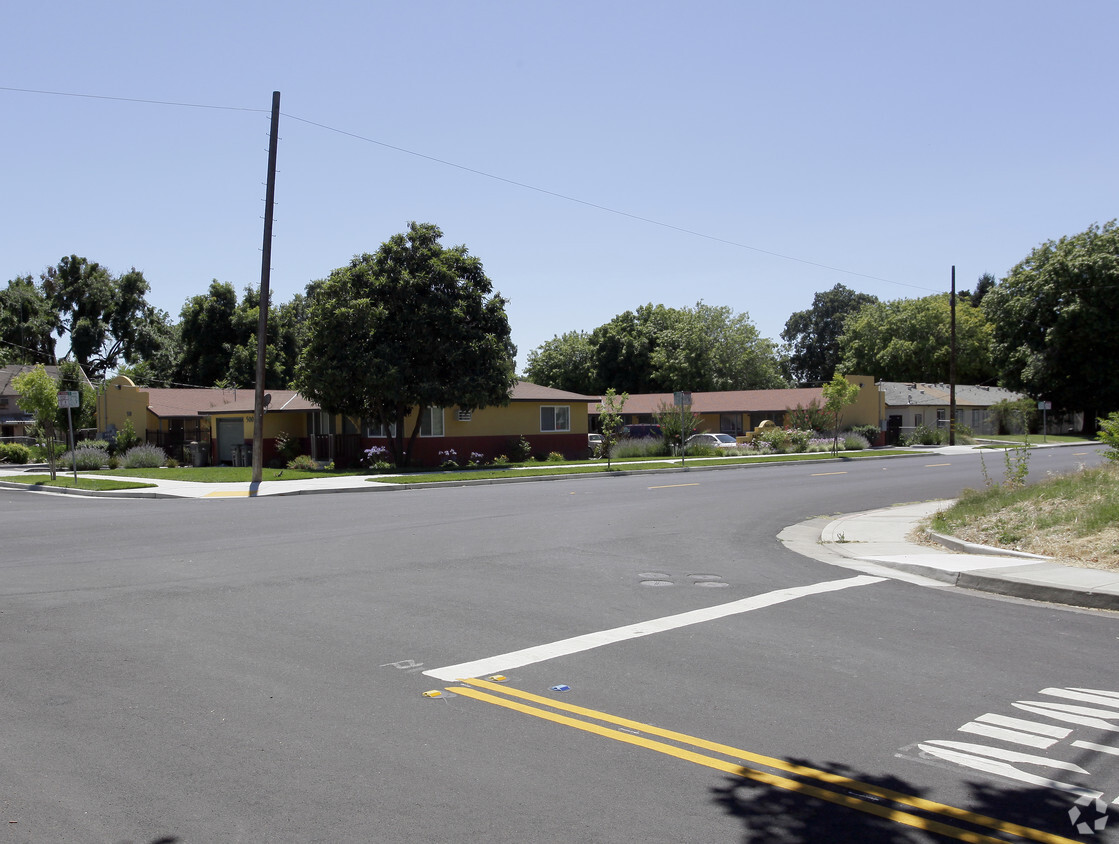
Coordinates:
<point>838,394</point>
<point>610,421</point>
<point>38,395</point>
<point>676,424</point>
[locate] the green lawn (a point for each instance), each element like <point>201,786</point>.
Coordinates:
<point>584,467</point>
<point>67,482</point>
<point>217,474</point>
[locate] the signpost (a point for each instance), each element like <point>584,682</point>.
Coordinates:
<point>1044,407</point>
<point>69,399</point>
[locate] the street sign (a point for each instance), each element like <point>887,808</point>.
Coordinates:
<point>682,398</point>
<point>1045,405</point>
<point>69,398</point>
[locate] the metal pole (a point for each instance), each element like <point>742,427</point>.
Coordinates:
<point>265,274</point>
<point>952,366</point>
<point>73,456</point>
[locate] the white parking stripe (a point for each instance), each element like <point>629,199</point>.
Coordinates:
<point>540,653</point>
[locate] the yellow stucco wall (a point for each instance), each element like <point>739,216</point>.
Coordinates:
<point>869,408</point>
<point>518,417</point>
<point>122,401</point>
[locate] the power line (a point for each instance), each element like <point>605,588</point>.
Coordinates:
<point>484,174</point>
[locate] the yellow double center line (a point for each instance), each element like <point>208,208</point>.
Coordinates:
<point>860,799</point>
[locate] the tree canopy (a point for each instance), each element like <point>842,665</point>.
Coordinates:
<point>106,317</point>
<point>1055,322</point>
<point>414,325</point>
<point>660,349</point>
<point>910,340</point>
<point>26,323</point>
<point>813,335</point>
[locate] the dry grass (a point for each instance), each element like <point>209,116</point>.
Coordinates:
<point>1072,518</point>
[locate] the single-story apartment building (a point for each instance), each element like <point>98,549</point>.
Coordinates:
<point>221,421</point>
<point>895,408</point>
<point>737,412</point>
<point>910,405</point>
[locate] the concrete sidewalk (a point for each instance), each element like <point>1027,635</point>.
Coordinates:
<point>875,542</point>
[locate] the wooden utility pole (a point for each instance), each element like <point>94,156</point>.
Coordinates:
<point>265,274</point>
<point>952,365</point>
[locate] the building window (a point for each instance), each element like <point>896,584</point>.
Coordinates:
<point>431,422</point>
<point>918,419</point>
<point>431,425</point>
<point>555,418</point>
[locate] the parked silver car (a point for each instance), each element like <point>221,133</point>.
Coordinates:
<point>719,441</point>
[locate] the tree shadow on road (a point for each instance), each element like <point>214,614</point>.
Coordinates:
<point>783,815</point>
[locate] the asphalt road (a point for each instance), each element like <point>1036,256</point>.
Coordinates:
<point>255,670</point>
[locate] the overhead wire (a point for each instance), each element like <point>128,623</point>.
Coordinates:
<point>484,174</point>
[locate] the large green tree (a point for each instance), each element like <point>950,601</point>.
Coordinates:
<point>1055,321</point>
<point>106,317</point>
<point>414,325</point>
<point>26,323</point>
<point>910,340</point>
<point>660,349</point>
<point>708,348</point>
<point>565,362</point>
<point>208,336</point>
<point>813,335</point>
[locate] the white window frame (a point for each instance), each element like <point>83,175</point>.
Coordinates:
<point>431,422</point>
<point>431,425</point>
<point>556,411</point>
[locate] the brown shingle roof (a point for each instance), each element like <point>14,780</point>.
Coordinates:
<point>190,401</point>
<point>527,391</point>
<point>725,401</point>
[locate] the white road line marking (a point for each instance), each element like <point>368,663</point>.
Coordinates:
<point>1005,769</point>
<point>1085,695</point>
<point>1024,725</point>
<point>1028,739</point>
<point>1009,755</point>
<point>1059,715</point>
<point>528,656</point>
<point>1101,748</point>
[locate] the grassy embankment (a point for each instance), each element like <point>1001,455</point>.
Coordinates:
<point>67,482</point>
<point>1073,518</point>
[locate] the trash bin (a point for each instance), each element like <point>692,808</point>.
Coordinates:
<point>195,454</point>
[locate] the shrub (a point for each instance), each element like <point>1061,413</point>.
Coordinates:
<point>501,460</point>
<point>86,458</point>
<point>104,445</point>
<point>813,417</point>
<point>114,461</point>
<point>144,456</point>
<point>448,459</point>
<point>303,463</point>
<point>287,447</point>
<point>786,440</point>
<point>555,457</point>
<point>172,463</point>
<point>854,442</point>
<point>924,435</point>
<point>520,450</point>
<point>642,447</point>
<point>14,453</point>
<point>867,432</point>
<point>1109,435</point>
<point>126,439</point>
<point>696,450</point>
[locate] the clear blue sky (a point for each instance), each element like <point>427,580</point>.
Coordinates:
<point>885,141</point>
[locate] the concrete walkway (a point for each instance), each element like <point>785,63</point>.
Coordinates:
<point>873,541</point>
